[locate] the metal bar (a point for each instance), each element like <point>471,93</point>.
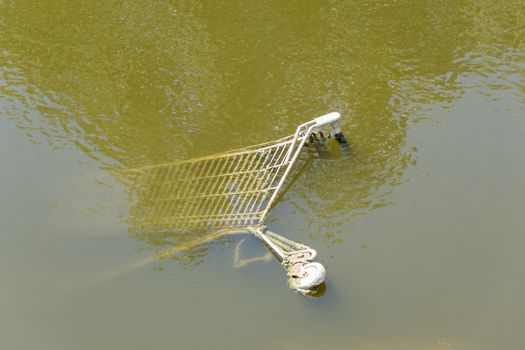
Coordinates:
<point>294,158</point>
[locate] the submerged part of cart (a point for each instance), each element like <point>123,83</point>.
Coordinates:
<point>234,191</point>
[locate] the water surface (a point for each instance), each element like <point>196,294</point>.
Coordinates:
<point>420,229</point>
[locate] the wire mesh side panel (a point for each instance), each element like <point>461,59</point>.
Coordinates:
<point>227,190</point>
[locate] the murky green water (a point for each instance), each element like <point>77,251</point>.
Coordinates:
<point>421,229</point>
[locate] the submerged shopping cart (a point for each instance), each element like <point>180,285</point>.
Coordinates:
<point>232,192</point>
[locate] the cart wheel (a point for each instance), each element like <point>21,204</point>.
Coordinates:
<point>311,275</point>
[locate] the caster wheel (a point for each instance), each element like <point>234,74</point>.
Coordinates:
<point>309,276</point>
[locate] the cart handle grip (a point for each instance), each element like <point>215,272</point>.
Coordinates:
<point>327,118</point>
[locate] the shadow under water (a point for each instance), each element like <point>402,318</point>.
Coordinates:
<point>134,84</point>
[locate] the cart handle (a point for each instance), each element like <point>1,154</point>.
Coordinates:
<point>327,118</point>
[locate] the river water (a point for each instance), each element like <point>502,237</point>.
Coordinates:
<point>420,228</point>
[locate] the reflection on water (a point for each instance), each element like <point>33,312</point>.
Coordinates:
<point>133,83</point>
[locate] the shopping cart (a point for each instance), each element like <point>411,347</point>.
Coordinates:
<point>232,192</point>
